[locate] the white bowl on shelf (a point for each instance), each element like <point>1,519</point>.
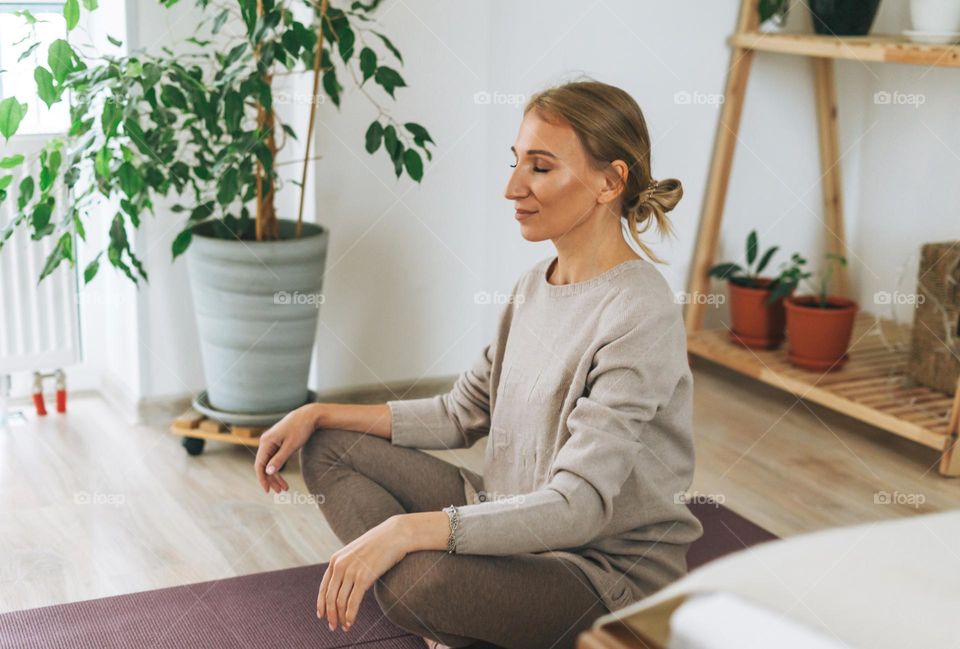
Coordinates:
<point>936,38</point>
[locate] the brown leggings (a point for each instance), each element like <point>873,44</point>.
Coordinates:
<point>523,601</point>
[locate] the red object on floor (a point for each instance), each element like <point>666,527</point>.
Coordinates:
<point>267,609</point>
<point>61,400</point>
<point>38,403</point>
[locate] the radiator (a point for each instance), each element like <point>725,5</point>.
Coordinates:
<point>39,324</point>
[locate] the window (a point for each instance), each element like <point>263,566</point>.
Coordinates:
<point>16,76</point>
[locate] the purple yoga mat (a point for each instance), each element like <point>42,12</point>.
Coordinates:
<point>267,609</point>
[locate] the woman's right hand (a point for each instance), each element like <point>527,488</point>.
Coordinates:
<point>281,441</point>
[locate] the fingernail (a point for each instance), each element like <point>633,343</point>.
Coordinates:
<point>270,469</point>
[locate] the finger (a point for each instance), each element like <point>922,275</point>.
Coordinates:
<point>333,589</point>
<point>353,606</point>
<point>346,587</point>
<point>322,594</point>
<point>265,450</point>
<point>278,459</point>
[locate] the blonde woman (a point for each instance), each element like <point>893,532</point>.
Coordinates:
<point>585,396</point>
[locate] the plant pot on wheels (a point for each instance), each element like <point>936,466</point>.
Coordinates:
<point>818,336</point>
<point>843,17</point>
<point>756,322</point>
<point>257,306</point>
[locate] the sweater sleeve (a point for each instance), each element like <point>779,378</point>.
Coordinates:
<point>632,376</point>
<point>456,419</point>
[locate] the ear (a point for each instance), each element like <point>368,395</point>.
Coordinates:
<point>615,180</point>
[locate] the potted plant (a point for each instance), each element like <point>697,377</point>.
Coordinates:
<point>819,325</point>
<point>773,14</point>
<point>201,127</point>
<point>843,17</point>
<point>757,314</point>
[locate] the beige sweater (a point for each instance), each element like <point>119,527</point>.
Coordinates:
<point>586,396</point>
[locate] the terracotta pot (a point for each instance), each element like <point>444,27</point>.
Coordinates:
<point>818,337</point>
<point>756,324</point>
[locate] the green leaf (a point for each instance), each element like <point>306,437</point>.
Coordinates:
<point>61,58</point>
<point>751,247</point>
<point>233,110</point>
<point>368,63</point>
<point>11,114</point>
<point>390,46</point>
<point>5,182</point>
<point>110,119</point>
<point>62,251</point>
<point>390,141</point>
<point>101,163</point>
<point>71,13</point>
<point>45,89</point>
<point>90,5</point>
<point>766,258</point>
<point>374,136</point>
<point>419,133</point>
<point>228,187</point>
<point>26,192</point>
<point>91,270</point>
<point>40,218</point>
<point>398,156</point>
<point>11,161</point>
<point>332,86</point>
<point>172,97</point>
<point>113,41</point>
<point>131,182</point>
<point>389,79</point>
<point>413,163</point>
<point>182,241</point>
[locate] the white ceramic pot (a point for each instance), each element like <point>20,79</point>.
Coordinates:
<point>257,304</point>
<point>935,16</point>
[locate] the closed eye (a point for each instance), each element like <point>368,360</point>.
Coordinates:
<point>536,169</point>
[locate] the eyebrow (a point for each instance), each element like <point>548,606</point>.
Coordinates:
<point>535,152</point>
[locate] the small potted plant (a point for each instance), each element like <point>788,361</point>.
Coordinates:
<point>819,325</point>
<point>773,14</point>
<point>757,315</point>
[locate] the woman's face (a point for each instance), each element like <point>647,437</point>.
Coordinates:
<point>553,187</point>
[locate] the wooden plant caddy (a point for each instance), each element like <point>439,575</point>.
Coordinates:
<point>872,386</point>
<point>196,428</point>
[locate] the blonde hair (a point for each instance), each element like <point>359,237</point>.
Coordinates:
<point>610,126</point>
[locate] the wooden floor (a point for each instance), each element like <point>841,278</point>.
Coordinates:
<point>92,507</point>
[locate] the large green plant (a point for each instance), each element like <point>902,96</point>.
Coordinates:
<point>199,124</point>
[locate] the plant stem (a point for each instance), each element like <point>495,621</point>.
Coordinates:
<point>313,114</point>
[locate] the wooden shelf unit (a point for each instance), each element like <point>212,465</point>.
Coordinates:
<point>872,386</point>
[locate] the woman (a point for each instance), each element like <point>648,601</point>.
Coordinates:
<point>586,397</point>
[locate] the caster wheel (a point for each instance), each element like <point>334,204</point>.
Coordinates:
<point>194,445</point>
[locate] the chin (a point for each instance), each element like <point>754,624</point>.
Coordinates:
<point>532,234</point>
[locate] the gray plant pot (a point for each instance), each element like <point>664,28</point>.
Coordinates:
<point>257,304</point>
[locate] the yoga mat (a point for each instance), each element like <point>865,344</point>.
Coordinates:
<point>268,609</point>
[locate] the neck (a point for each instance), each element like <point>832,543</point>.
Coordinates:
<point>593,246</point>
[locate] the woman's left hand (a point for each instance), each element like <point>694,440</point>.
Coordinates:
<point>354,568</point>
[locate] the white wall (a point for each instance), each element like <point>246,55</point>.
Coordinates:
<point>405,260</point>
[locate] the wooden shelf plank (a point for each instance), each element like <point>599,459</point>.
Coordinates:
<point>840,389</point>
<point>877,48</point>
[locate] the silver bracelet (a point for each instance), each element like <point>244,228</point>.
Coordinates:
<point>453,515</point>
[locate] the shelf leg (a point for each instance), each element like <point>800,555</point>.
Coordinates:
<point>950,460</point>
<point>826,98</point>
<point>716,192</point>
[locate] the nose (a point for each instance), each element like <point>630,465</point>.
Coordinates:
<point>516,188</point>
